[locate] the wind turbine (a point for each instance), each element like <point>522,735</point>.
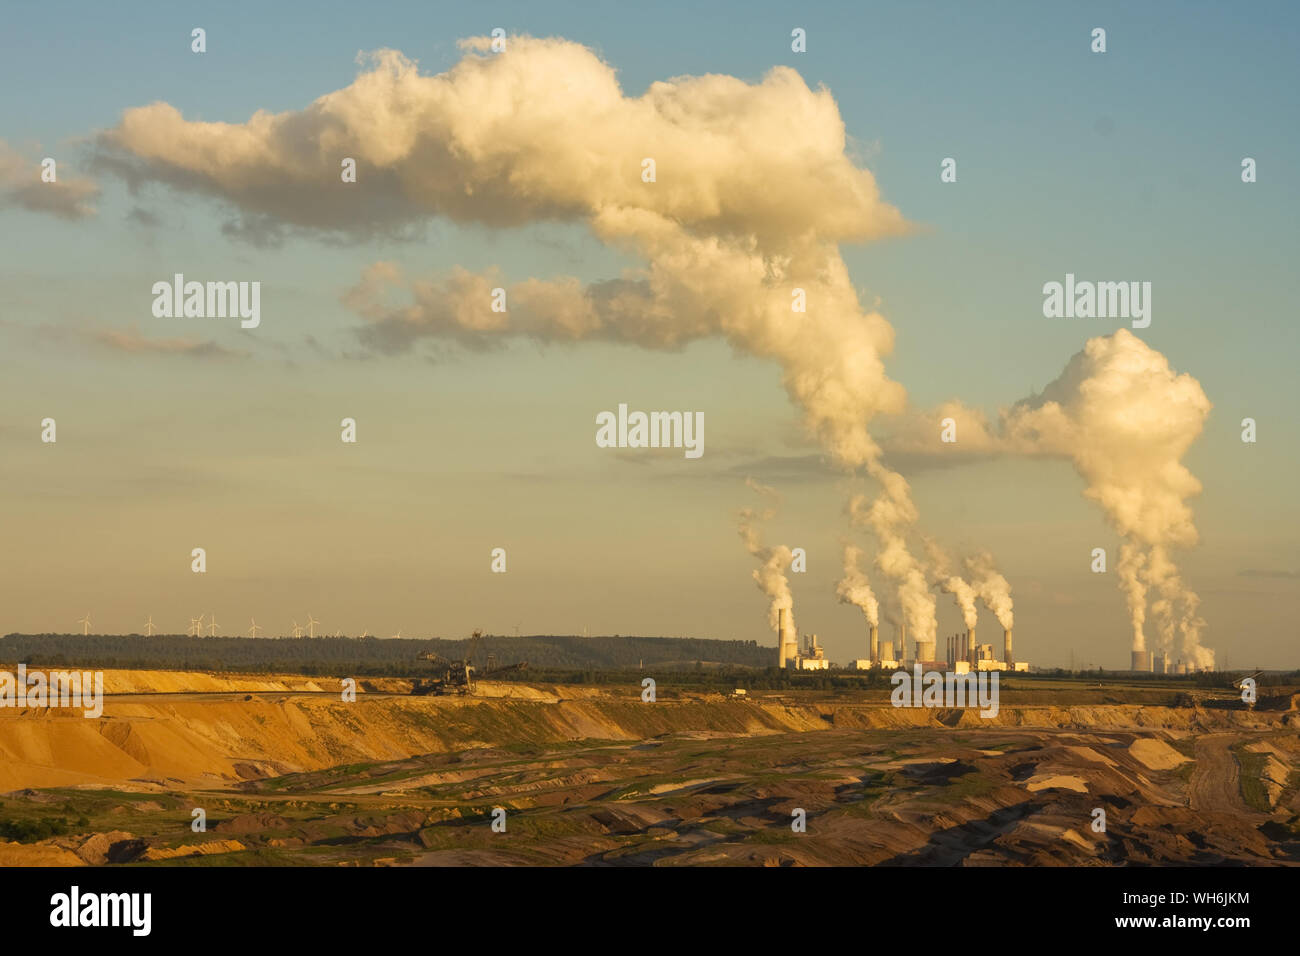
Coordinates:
<point>338,633</point>
<point>212,628</point>
<point>365,633</point>
<point>148,628</point>
<point>311,625</point>
<point>85,623</point>
<point>297,629</point>
<point>196,623</point>
<point>252,631</point>
<point>398,634</point>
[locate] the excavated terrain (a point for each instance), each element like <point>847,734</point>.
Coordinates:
<point>285,772</point>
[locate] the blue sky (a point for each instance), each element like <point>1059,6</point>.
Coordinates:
<point>1116,166</point>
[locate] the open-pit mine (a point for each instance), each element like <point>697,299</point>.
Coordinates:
<point>188,768</point>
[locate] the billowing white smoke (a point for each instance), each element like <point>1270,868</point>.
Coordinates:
<point>1125,419</point>
<point>890,517</point>
<point>741,212</point>
<point>1176,607</point>
<point>941,573</point>
<point>770,575</point>
<point>741,217</point>
<point>854,588</point>
<point>991,587</point>
<point>1132,563</point>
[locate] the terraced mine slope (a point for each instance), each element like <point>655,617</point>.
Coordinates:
<point>287,773</point>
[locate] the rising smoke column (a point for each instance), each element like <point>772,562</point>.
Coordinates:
<point>770,575</point>
<point>854,588</point>
<point>991,587</point>
<point>1131,569</point>
<point>889,517</point>
<point>964,595</point>
<point>739,216</point>
<point>1125,419</point>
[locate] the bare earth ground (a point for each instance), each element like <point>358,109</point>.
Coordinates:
<point>286,773</point>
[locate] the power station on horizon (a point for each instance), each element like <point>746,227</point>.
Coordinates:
<point>963,654</point>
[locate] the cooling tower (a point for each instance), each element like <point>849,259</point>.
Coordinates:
<point>925,650</point>
<point>1142,661</point>
<point>887,651</point>
<point>1007,656</point>
<point>875,644</point>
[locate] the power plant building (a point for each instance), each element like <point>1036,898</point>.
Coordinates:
<point>964,655</point>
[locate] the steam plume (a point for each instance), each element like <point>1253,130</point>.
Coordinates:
<point>889,517</point>
<point>770,575</point>
<point>991,587</point>
<point>941,573</point>
<point>1125,419</point>
<point>854,588</point>
<point>741,216</point>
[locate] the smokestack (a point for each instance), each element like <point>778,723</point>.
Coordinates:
<point>1006,647</point>
<point>902,640</point>
<point>875,644</point>
<point>971,654</point>
<point>782,634</point>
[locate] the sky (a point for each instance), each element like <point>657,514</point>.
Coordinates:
<point>177,433</point>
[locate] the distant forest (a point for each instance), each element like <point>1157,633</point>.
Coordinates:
<point>375,656</point>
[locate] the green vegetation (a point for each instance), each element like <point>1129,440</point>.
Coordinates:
<point>33,831</point>
<point>568,659</point>
<point>962,788</point>
<point>1252,783</point>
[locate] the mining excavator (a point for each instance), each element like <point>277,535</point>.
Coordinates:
<point>458,676</point>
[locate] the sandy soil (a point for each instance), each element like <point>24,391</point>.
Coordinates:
<point>292,775</point>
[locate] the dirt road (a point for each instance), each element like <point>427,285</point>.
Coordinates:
<point>1216,781</point>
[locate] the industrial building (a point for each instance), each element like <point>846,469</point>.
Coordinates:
<point>1146,662</point>
<point>810,657</point>
<point>965,655</point>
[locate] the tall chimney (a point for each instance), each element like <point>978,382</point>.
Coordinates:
<point>875,644</point>
<point>782,630</point>
<point>971,654</point>
<point>1006,648</point>
<point>902,640</point>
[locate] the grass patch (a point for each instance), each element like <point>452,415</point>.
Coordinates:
<point>965,787</point>
<point>1252,784</point>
